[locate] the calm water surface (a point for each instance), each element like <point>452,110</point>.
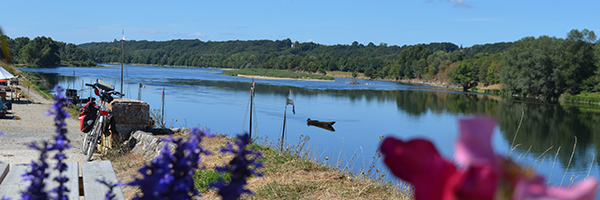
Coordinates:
<point>202,97</point>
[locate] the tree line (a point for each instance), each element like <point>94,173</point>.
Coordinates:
<point>550,66</point>
<point>543,66</point>
<point>45,52</point>
<point>423,61</point>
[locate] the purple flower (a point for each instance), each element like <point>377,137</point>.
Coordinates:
<point>169,176</point>
<point>241,167</point>
<point>37,174</point>
<point>61,141</point>
<point>111,187</point>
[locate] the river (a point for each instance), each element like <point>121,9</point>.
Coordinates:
<point>200,97</point>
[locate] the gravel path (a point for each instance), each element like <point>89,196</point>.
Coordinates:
<point>34,126</point>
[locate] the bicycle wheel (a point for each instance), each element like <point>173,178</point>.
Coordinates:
<point>85,142</point>
<point>94,138</point>
<point>87,136</point>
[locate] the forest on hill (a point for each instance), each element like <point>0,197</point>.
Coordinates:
<point>544,66</point>
<point>45,52</point>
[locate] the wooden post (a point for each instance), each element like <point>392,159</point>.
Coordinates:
<point>163,109</point>
<point>122,58</point>
<point>140,92</point>
<point>283,131</point>
<point>251,102</point>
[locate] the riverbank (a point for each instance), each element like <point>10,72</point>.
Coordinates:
<point>433,83</point>
<point>286,175</point>
<point>277,78</point>
<point>274,73</point>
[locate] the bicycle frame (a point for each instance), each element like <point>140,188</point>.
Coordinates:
<point>104,116</point>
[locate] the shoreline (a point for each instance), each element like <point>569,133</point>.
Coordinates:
<point>281,78</point>
<point>335,74</point>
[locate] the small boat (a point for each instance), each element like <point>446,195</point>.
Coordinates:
<point>74,98</point>
<point>320,124</point>
<point>353,82</point>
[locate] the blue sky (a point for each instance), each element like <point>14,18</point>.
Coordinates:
<point>463,22</point>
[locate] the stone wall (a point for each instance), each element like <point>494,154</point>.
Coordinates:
<point>129,115</point>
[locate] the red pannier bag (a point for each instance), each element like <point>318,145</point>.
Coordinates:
<point>88,116</point>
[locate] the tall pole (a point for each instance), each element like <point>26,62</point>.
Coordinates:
<point>140,92</point>
<point>163,108</point>
<point>251,102</point>
<point>283,131</point>
<point>122,58</point>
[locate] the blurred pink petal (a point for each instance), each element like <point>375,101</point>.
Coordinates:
<point>474,145</point>
<point>418,162</point>
<point>479,182</point>
<point>537,190</point>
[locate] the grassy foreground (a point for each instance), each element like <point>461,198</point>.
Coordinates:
<point>286,175</point>
<point>275,73</point>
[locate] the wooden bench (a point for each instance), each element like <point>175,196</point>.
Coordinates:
<point>12,184</point>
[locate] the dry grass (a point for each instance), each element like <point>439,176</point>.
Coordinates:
<point>126,167</point>
<point>494,86</point>
<point>341,74</point>
<point>285,176</point>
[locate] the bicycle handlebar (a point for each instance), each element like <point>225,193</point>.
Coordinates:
<point>115,93</point>
<point>109,92</point>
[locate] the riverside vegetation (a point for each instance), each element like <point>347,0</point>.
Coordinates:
<point>554,66</point>
<point>288,174</point>
<point>515,136</point>
<point>276,73</point>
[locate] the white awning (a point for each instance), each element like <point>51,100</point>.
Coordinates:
<point>4,74</point>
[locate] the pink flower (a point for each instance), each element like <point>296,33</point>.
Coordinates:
<point>418,162</point>
<point>485,175</point>
<point>474,143</point>
<point>537,190</point>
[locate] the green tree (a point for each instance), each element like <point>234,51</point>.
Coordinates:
<point>370,72</point>
<point>41,51</point>
<point>578,56</point>
<point>532,66</point>
<point>15,48</point>
<point>464,74</point>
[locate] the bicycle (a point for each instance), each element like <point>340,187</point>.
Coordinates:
<point>103,117</point>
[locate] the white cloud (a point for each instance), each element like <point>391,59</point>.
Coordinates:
<point>463,5</point>
<point>476,19</point>
<point>152,32</point>
<point>233,34</point>
<point>88,28</point>
<point>191,35</point>
<point>310,40</point>
<point>457,3</point>
<point>196,35</point>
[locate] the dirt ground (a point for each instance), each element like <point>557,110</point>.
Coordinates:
<point>27,123</point>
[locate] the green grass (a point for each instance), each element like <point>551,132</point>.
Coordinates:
<point>203,179</point>
<point>27,65</point>
<point>275,73</point>
<point>583,97</point>
<point>488,91</point>
<point>275,190</point>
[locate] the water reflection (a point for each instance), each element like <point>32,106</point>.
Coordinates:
<point>550,125</point>
<point>545,126</point>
